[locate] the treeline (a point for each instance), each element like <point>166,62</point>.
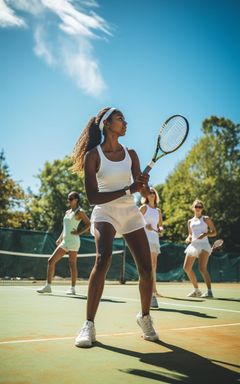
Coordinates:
<point>44,210</point>
<point>210,172</point>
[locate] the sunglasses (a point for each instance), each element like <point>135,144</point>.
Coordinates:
<point>152,193</point>
<point>198,206</point>
<point>71,198</point>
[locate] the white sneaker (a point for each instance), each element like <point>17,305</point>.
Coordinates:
<point>195,294</point>
<point>45,289</point>
<point>208,294</point>
<point>87,335</point>
<point>154,303</point>
<point>145,322</point>
<point>71,291</point>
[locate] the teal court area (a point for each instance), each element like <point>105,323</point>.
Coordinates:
<point>199,338</point>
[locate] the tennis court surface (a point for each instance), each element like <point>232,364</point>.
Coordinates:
<point>199,338</point>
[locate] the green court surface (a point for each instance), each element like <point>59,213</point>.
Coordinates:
<point>199,338</point>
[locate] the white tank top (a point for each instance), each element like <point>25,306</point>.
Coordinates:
<point>198,226</point>
<point>113,175</point>
<point>151,216</point>
<point>69,224</point>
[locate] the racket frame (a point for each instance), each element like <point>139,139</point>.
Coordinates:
<point>156,157</point>
<point>215,246</point>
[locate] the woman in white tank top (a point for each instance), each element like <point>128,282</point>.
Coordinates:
<point>199,229</point>
<point>112,175</point>
<point>68,242</point>
<point>153,218</point>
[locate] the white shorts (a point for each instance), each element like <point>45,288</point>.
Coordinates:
<point>153,240</point>
<point>155,248</point>
<point>70,246</point>
<point>125,218</point>
<point>197,247</point>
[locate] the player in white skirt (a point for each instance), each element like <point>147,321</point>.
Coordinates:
<point>112,175</point>
<point>199,229</point>
<point>153,218</point>
<point>68,243</point>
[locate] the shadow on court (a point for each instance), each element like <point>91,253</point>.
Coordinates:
<point>224,299</point>
<point>186,312</point>
<point>178,299</point>
<point>184,366</point>
<point>81,297</point>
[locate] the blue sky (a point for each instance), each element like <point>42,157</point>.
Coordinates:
<point>61,61</point>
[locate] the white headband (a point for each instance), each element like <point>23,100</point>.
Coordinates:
<point>105,116</point>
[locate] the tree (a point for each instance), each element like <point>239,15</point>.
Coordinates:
<point>48,207</point>
<point>12,199</point>
<point>211,173</point>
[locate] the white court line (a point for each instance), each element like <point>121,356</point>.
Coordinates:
<point>174,304</point>
<point>114,334</point>
<point>138,300</point>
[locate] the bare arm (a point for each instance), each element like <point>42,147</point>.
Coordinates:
<point>189,238</point>
<point>143,209</point>
<point>160,221</point>
<point>86,221</point>
<point>80,215</point>
<point>59,240</point>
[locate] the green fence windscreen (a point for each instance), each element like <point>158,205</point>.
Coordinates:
<point>223,266</point>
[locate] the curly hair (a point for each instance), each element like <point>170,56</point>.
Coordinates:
<point>90,137</point>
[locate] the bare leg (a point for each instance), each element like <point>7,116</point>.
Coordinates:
<point>73,266</point>
<point>154,267</point>
<point>139,246</point>
<point>56,256</point>
<point>202,266</point>
<point>104,235</point>
<point>187,266</point>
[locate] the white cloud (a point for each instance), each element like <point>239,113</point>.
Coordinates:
<point>41,47</point>
<point>64,31</point>
<point>80,65</point>
<point>8,17</point>
<point>34,7</point>
<point>74,21</point>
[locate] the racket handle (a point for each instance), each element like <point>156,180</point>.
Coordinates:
<point>149,167</point>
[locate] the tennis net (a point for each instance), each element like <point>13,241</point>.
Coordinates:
<point>33,266</point>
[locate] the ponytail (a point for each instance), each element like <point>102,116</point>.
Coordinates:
<point>89,139</point>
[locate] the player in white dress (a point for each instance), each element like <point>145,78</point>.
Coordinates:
<point>68,242</point>
<point>199,229</point>
<point>153,218</point>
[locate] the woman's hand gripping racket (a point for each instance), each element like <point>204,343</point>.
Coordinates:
<point>217,245</point>
<point>172,135</point>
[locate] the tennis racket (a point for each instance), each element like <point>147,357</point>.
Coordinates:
<point>217,244</point>
<point>172,135</point>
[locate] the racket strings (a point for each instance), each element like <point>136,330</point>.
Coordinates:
<point>218,243</point>
<point>173,133</point>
